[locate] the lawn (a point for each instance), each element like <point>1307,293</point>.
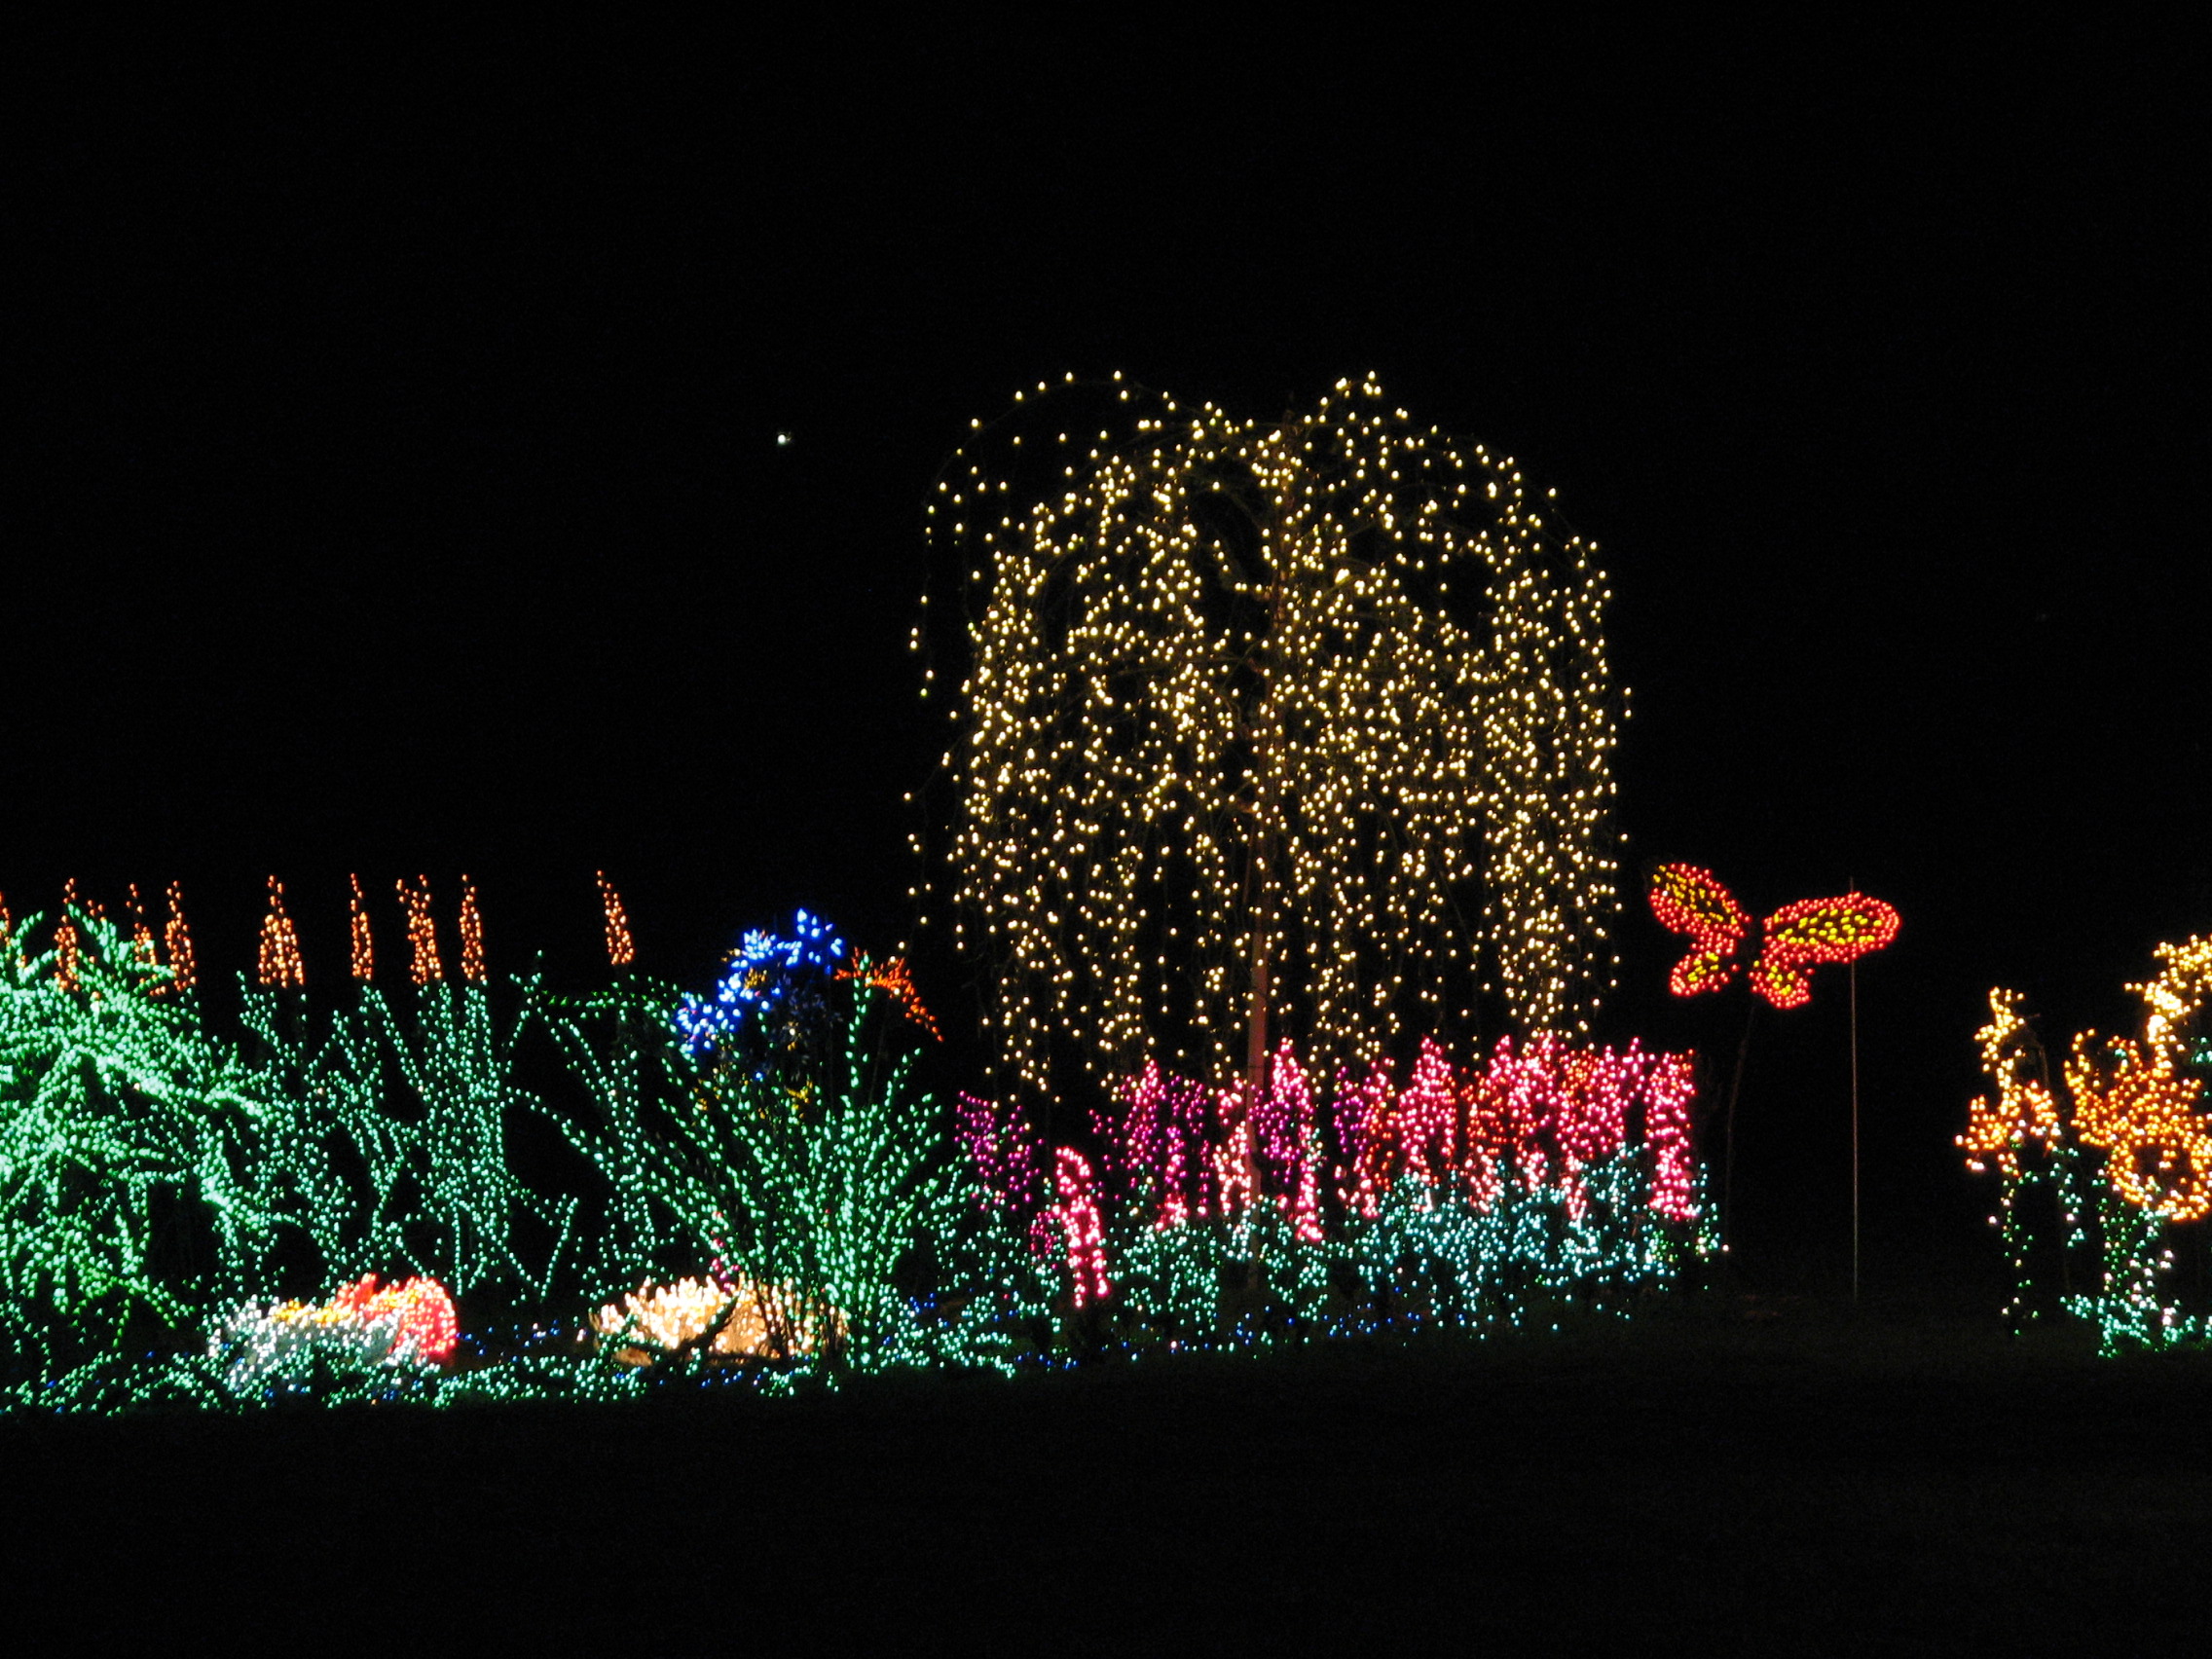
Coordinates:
<point>1731,1472</point>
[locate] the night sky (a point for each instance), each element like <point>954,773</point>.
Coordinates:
<point>396,488</point>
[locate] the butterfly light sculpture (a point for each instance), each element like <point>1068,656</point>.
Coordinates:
<point>1792,941</point>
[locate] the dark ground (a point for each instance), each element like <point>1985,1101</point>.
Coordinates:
<point>1741,1472</point>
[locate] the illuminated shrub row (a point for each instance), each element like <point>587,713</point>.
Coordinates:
<point>740,1186</point>
<point>2100,1168</point>
<point>1539,1176</point>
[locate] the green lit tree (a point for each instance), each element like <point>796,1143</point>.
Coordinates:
<point>128,1191</point>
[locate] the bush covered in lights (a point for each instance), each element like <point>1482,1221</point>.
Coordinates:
<point>2105,1171</point>
<point>753,1181</point>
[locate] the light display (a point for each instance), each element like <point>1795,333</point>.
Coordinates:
<point>622,949</point>
<point>279,962</point>
<point>176,941</point>
<point>2023,1112</point>
<point>142,944</point>
<point>2125,1151</point>
<point>65,937</point>
<point>2133,1101</point>
<point>1255,711</point>
<point>808,1169</point>
<point>361,946</point>
<point>408,1323</point>
<point>718,1321</point>
<point>770,990</point>
<point>424,966</point>
<point>769,1198</point>
<point>1077,1216</point>
<point>471,935</point>
<point>110,1102</point>
<point>1792,941</point>
<point>891,976</point>
<point>1520,1181</point>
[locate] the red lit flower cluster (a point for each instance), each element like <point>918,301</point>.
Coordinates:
<point>1541,1116</point>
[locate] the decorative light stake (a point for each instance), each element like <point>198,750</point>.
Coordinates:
<point>1792,941</point>
<point>1691,901</point>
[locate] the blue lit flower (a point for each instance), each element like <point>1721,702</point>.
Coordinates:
<point>772,1000</point>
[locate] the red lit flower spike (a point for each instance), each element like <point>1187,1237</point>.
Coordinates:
<point>1795,940</point>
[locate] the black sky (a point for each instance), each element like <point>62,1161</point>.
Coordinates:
<point>396,485</point>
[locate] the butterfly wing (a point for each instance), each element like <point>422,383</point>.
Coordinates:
<point>1690,900</point>
<point>1800,936</point>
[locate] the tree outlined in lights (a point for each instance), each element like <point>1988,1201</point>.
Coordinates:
<point>1270,729</point>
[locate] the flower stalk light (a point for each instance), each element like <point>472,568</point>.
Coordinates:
<point>1272,728</point>
<point>622,948</point>
<point>279,963</point>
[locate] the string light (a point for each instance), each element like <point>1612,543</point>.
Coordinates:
<point>2022,1111</point>
<point>2127,1149</point>
<point>408,1323</point>
<point>2132,1100</point>
<point>1793,941</point>
<point>176,941</point>
<point>142,944</point>
<point>622,950</point>
<point>891,976</point>
<point>1253,706</point>
<point>767,985</point>
<point>471,935</point>
<point>108,1098</point>
<point>1521,1178</point>
<point>423,967</point>
<point>1077,1216</point>
<point>66,946</point>
<point>754,1129</point>
<point>736,1320</point>
<point>362,947</point>
<point>280,964</point>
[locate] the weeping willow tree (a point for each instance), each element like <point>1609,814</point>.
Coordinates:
<point>1268,730</point>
